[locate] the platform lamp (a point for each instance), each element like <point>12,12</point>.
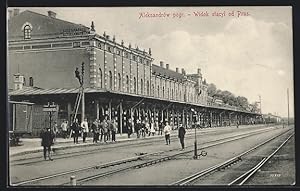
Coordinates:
<point>195,141</point>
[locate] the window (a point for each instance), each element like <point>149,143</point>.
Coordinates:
<point>134,85</point>
<point>141,60</point>
<point>126,54</point>
<point>163,92</point>
<point>148,86</point>
<point>30,81</point>
<point>76,44</point>
<point>134,57</point>
<point>100,77</point>
<point>147,62</point>
<point>127,83</point>
<point>142,86</point>
<point>119,82</point>
<point>118,52</point>
<point>153,90</point>
<point>110,80</point>
<point>109,48</point>
<point>27,32</point>
<point>99,45</point>
<point>157,91</point>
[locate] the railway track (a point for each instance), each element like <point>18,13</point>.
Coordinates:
<point>141,161</point>
<point>241,179</point>
<point>93,149</point>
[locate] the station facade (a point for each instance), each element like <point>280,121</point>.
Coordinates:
<point>120,82</point>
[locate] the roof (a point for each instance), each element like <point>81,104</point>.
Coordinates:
<point>39,91</point>
<point>166,72</point>
<point>41,24</point>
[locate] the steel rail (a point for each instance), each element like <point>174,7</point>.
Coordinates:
<point>247,175</point>
<point>228,162</point>
<point>221,141</point>
<point>161,159</point>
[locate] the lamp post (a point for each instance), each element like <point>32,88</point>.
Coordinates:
<point>195,141</point>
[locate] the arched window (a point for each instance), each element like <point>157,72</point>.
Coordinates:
<point>180,95</point>
<point>148,86</point>
<point>127,84</point>
<point>100,78</point>
<point>134,85</point>
<point>27,32</point>
<point>142,87</point>
<point>119,82</point>
<point>30,81</point>
<point>153,90</point>
<point>110,80</point>
<point>163,92</point>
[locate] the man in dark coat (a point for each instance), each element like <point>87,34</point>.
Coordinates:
<point>181,134</point>
<point>47,140</point>
<point>75,130</point>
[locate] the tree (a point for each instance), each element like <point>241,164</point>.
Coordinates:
<point>211,90</point>
<point>242,102</point>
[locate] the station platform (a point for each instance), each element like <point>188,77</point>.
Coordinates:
<point>33,145</point>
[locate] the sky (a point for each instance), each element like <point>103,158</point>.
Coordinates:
<point>245,50</point>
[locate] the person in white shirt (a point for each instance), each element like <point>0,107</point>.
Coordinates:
<point>167,131</point>
<point>85,129</point>
<point>64,128</point>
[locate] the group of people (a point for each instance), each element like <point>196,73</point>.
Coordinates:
<point>106,130</point>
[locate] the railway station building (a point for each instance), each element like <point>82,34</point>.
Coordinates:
<point>120,81</point>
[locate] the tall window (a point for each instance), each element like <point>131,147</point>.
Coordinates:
<point>30,81</point>
<point>27,32</point>
<point>148,86</point>
<point>119,82</point>
<point>127,84</point>
<point>100,77</point>
<point>153,90</point>
<point>142,86</point>
<point>110,80</point>
<point>134,85</point>
<point>172,97</point>
<point>157,91</point>
<point>163,92</point>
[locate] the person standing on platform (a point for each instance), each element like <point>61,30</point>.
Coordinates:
<point>105,130</point>
<point>181,134</point>
<point>114,130</point>
<point>138,128</point>
<point>152,128</point>
<point>167,131</point>
<point>75,131</point>
<point>143,129</point>
<point>129,128</point>
<point>85,129</point>
<point>237,124</point>
<point>160,128</point>
<point>64,128</point>
<point>95,130</point>
<point>109,129</point>
<point>47,137</point>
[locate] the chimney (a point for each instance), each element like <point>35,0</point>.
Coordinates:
<point>183,71</point>
<point>16,12</point>
<point>161,64</point>
<point>18,81</point>
<point>10,14</point>
<point>167,66</point>
<point>51,14</point>
<point>177,70</point>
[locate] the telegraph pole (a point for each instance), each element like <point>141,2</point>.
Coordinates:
<point>288,107</point>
